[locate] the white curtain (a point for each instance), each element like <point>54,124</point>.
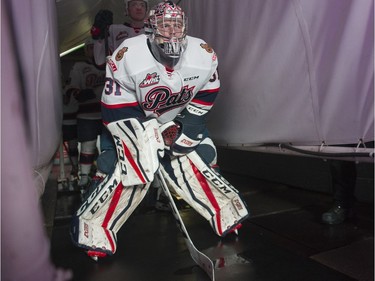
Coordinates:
<point>296,71</point>
<point>34,29</point>
<point>30,125</point>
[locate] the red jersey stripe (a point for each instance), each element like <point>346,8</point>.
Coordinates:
<point>120,105</point>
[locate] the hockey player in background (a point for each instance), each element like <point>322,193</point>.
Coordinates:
<point>159,89</point>
<point>108,36</point>
<point>85,84</point>
<point>69,133</point>
<point>105,32</point>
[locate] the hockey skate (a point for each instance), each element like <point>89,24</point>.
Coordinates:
<point>62,185</point>
<point>73,179</point>
<point>100,247</point>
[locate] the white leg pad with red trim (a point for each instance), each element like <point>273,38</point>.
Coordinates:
<point>109,205</point>
<point>206,191</point>
<point>95,224</point>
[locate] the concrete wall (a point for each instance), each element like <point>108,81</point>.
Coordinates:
<point>302,172</point>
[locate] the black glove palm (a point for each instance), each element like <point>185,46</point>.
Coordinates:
<point>103,19</point>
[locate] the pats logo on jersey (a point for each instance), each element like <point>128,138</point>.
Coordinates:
<point>151,79</point>
<point>121,53</point>
<point>161,99</point>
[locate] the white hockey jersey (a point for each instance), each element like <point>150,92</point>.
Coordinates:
<point>139,86</point>
<point>117,33</point>
<point>85,75</point>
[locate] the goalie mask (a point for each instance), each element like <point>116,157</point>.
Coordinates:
<point>166,28</point>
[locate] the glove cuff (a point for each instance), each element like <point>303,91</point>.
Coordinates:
<point>96,33</point>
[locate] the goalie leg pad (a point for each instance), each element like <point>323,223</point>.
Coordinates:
<point>206,191</point>
<point>234,210</point>
<point>95,224</point>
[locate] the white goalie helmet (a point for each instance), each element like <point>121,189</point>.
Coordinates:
<point>166,28</point>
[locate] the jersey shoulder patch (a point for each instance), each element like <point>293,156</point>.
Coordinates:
<point>207,47</point>
<point>132,45</point>
<point>127,55</point>
<point>201,52</point>
<point>120,53</point>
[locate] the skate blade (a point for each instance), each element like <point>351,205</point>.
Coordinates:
<point>95,255</point>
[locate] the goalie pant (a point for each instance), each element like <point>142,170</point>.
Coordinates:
<point>102,214</point>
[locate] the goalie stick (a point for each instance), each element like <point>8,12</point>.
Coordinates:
<point>201,259</point>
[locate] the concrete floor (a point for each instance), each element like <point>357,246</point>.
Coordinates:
<point>282,240</point>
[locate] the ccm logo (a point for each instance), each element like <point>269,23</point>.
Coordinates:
<point>215,180</point>
<point>93,195</point>
<point>103,197</point>
<point>86,230</point>
<point>187,142</point>
<point>238,204</point>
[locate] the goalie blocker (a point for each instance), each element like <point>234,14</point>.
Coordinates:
<point>139,148</point>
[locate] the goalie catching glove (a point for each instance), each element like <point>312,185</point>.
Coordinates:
<point>185,132</point>
<point>176,141</point>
